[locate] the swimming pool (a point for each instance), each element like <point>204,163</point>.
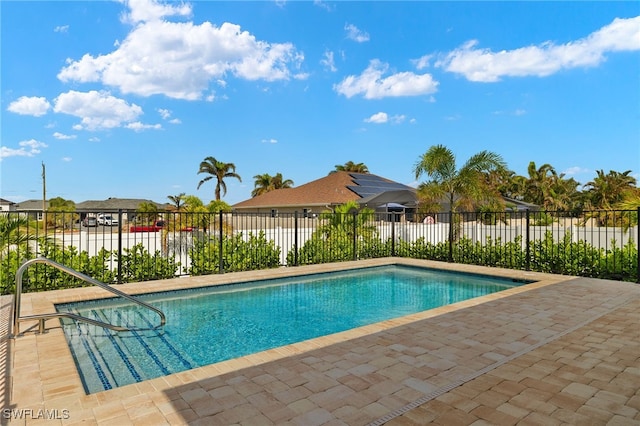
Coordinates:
<point>213,324</point>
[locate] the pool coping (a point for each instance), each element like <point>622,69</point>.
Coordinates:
<point>61,386</point>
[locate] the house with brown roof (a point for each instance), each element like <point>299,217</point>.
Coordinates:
<point>328,192</point>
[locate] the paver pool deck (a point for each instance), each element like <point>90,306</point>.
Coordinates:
<point>562,350</point>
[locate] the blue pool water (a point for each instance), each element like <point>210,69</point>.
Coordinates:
<point>213,324</point>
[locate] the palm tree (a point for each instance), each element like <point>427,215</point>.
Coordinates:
<point>545,187</point>
<point>16,232</point>
<point>606,190</point>
<point>219,170</point>
<point>630,200</point>
<point>340,222</point>
<point>265,182</point>
<point>539,184</point>
<point>177,201</point>
<point>352,167</point>
<point>461,187</point>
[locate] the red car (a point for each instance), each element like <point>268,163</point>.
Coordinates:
<point>157,226</point>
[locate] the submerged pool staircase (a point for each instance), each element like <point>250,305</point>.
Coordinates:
<point>41,318</point>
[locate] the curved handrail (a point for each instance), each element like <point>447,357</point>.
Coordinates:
<point>80,275</point>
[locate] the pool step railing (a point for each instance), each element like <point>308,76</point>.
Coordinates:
<point>41,318</point>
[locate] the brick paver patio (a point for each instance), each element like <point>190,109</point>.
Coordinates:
<point>561,351</point>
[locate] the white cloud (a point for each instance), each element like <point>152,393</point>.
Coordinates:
<point>151,10</point>
<point>61,29</point>
<point>484,65</point>
<point>138,126</point>
<point>269,140</point>
<point>27,149</point>
<point>181,59</point>
<point>328,61</point>
<point>164,113</point>
<point>67,159</point>
<point>397,119</point>
<point>324,5</point>
<point>371,85</point>
<point>383,117</point>
<point>518,112</point>
<point>355,34</point>
<point>378,118</point>
<point>576,170</point>
<point>97,110</point>
<point>62,136</point>
<point>422,62</point>
<point>34,106</point>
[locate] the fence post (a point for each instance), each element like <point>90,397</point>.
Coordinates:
<point>295,238</point>
<point>393,234</point>
<point>638,246</point>
<point>527,242</point>
<point>355,237</point>
<point>119,246</point>
<point>450,235</point>
<point>220,257</point>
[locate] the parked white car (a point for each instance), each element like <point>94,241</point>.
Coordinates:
<point>107,220</point>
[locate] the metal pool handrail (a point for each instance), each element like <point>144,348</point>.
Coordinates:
<point>86,278</point>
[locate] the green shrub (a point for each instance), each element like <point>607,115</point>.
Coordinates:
<point>137,264</point>
<point>237,255</point>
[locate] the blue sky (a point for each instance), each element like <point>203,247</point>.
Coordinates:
<point>125,99</point>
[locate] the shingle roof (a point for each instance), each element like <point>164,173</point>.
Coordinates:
<point>332,189</point>
<point>31,205</point>
<point>110,204</point>
<point>115,204</point>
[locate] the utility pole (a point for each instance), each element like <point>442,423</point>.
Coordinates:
<point>44,199</point>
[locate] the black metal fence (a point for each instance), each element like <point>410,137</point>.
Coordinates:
<point>117,247</point>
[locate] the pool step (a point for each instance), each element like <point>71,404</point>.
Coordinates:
<point>110,354</point>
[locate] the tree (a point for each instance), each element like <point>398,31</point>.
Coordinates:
<point>147,212</point>
<point>460,187</point>
<point>177,201</point>
<point>630,200</point>
<point>539,184</point>
<point>16,232</point>
<point>220,171</point>
<point>340,222</point>
<point>265,182</point>
<point>352,167</point>
<point>506,182</point>
<point>607,190</point>
<point>218,206</point>
<point>62,210</point>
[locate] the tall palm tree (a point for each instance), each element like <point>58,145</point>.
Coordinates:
<point>460,187</point>
<point>265,182</point>
<point>220,171</point>
<point>352,167</point>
